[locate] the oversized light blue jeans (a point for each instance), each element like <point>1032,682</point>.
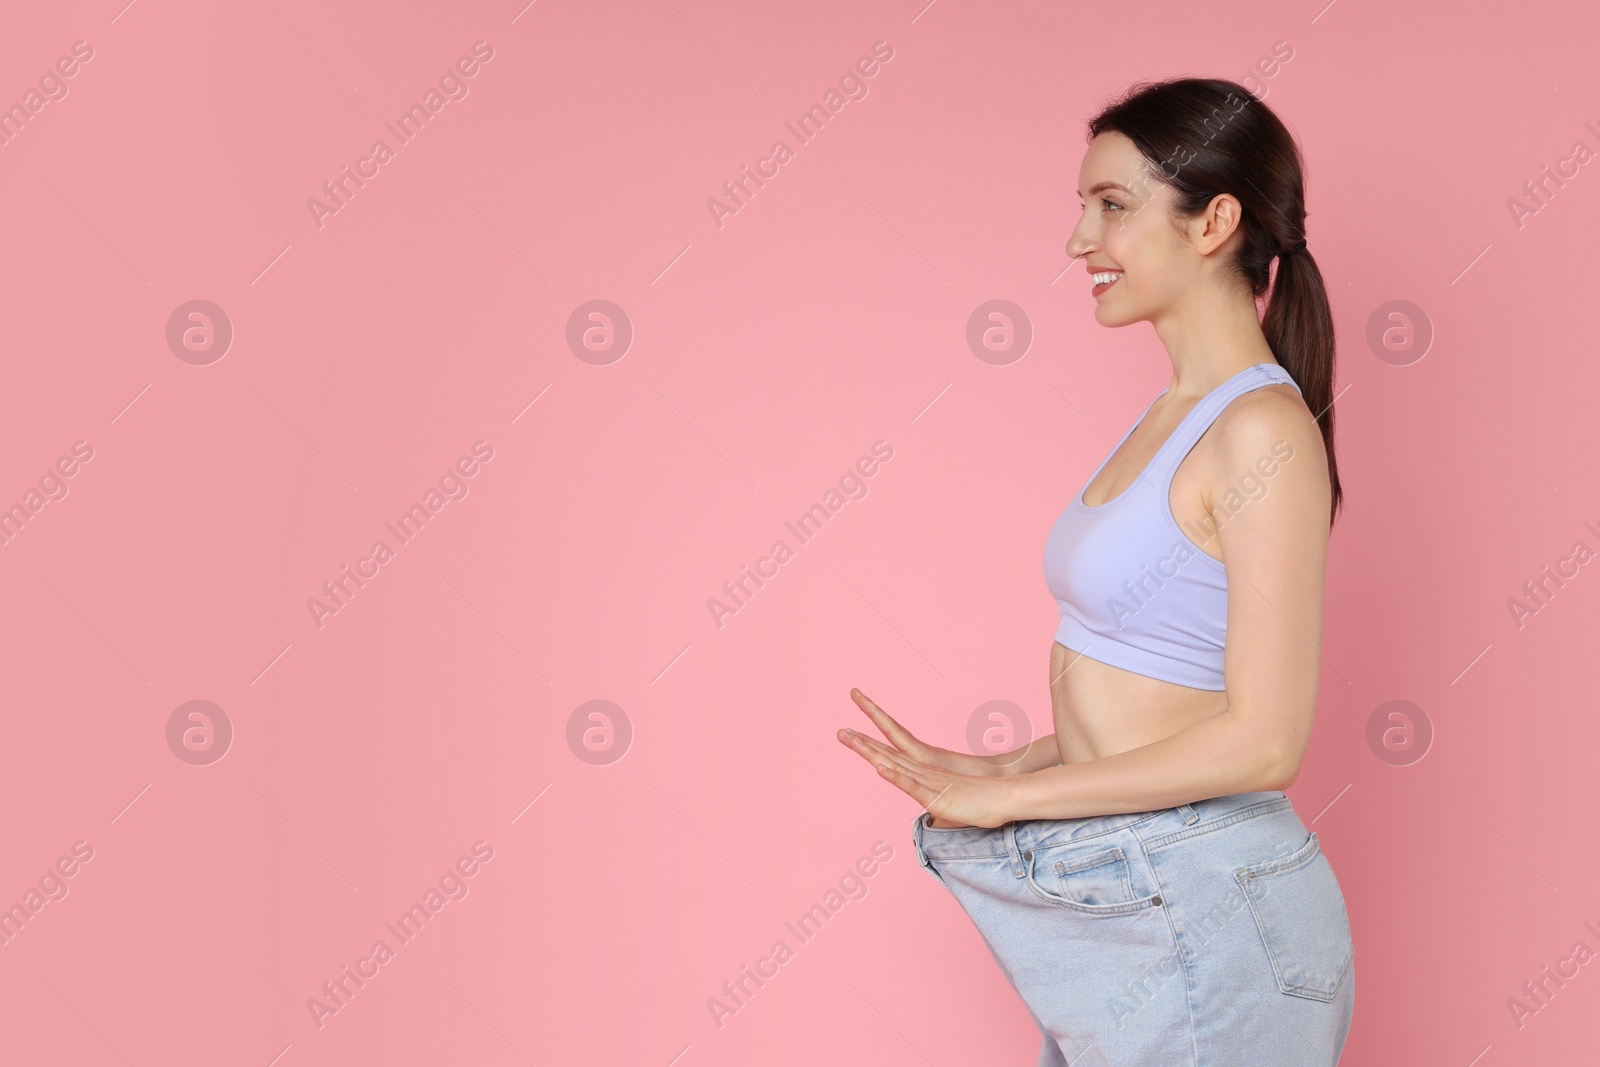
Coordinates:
<point>1212,934</point>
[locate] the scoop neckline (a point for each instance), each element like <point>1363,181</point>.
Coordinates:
<point>1078,501</point>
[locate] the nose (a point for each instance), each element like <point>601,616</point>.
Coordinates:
<point>1079,244</point>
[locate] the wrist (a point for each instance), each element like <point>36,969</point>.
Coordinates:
<point>1010,798</point>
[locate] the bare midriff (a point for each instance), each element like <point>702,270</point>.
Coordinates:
<point>1100,710</point>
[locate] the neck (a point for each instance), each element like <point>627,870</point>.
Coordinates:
<point>1210,336</point>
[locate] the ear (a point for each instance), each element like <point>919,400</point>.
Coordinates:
<point>1219,221</point>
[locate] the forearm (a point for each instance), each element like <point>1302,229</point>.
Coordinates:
<point>1038,754</point>
<point>1214,757</point>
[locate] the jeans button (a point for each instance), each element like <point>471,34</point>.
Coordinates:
<point>1027,857</point>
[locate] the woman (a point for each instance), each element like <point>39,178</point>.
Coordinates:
<point>1139,875</point>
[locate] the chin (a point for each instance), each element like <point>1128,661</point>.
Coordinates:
<point>1112,319</point>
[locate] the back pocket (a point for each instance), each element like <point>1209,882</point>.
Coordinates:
<point>1301,916</point>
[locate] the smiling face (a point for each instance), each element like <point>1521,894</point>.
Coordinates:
<point>1127,228</point>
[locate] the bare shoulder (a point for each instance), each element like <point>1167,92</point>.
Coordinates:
<point>1266,438</point>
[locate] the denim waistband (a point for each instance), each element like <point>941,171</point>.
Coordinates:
<point>1155,828</point>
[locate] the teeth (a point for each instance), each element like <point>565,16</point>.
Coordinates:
<point>1106,276</point>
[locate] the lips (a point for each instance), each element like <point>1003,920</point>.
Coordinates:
<point>1100,287</point>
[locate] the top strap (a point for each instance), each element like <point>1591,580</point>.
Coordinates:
<point>1203,414</point>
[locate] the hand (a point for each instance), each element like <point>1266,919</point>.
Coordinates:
<point>952,798</point>
<point>905,743</point>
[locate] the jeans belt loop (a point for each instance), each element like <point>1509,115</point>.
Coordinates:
<point>1010,832</point>
<point>1190,816</point>
<point>916,843</point>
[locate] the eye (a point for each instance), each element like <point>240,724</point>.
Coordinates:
<point>1110,203</point>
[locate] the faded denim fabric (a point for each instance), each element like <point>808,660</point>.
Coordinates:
<point>1212,934</point>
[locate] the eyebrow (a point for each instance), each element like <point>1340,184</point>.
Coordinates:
<point>1098,186</point>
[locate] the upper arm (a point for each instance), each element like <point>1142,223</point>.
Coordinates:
<point>1270,495</point>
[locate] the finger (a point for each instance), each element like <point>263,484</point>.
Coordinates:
<point>863,741</point>
<point>885,759</point>
<point>911,786</point>
<point>909,769</point>
<point>877,753</point>
<point>898,735</point>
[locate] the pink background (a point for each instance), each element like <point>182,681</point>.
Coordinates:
<point>369,354</point>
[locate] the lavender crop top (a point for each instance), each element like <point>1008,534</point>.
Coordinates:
<point>1133,589</point>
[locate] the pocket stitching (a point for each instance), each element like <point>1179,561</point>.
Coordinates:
<point>1100,859</point>
<point>1124,908</point>
<point>1298,858</point>
<point>1096,859</point>
<point>1305,855</point>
